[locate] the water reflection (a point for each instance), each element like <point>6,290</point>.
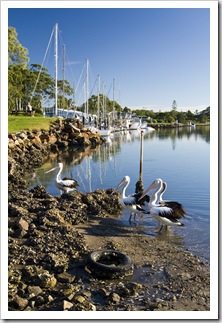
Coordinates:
<point>108,152</point>
<point>180,156</point>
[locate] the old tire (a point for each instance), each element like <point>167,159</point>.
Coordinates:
<point>109,264</point>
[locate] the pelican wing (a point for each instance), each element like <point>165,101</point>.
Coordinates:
<point>131,201</point>
<point>167,213</point>
<point>69,182</point>
<point>177,207</point>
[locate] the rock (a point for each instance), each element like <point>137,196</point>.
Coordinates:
<point>65,278</point>
<point>35,290</point>
<point>79,299</point>
<point>67,305</point>
<point>23,224</point>
<point>20,303</point>
<point>19,233</point>
<point>114,298</point>
<point>103,292</point>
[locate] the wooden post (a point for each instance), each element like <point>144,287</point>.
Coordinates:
<point>139,184</point>
<point>141,157</point>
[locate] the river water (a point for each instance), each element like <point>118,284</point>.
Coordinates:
<point>180,156</point>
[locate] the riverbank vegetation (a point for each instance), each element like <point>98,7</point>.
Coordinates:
<point>174,116</point>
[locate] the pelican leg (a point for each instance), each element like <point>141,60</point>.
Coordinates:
<point>130,216</point>
<point>161,228</point>
<point>134,216</point>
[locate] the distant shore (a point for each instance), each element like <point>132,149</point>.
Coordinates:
<point>174,125</point>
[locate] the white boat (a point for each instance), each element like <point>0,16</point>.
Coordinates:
<point>150,129</point>
<point>104,132</point>
<point>136,123</point>
<point>144,125</point>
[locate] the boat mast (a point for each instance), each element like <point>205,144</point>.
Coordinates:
<point>103,102</point>
<point>63,83</point>
<point>87,94</point>
<point>98,103</point>
<point>113,97</point>
<point>56,68</point>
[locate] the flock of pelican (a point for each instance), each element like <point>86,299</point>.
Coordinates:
<point>167,213</point>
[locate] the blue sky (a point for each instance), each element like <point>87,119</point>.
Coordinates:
<point>155,55</point>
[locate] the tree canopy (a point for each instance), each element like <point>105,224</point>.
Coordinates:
<point>17,54</point>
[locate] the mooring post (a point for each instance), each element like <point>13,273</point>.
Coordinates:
<point>141,157</point>
<point>139,184</point>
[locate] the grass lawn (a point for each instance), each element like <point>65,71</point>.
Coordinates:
<point>19,123</point>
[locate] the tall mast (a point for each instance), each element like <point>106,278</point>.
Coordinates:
<point>56,68</point>
<point>98,91</point>
<point>113,97</point>
<point>87,90</point>
<point>103,100</point>
<point>63,83</point>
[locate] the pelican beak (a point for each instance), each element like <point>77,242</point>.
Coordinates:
<point>123,181</point>
<point>150,188</point>
<point>48,171</point>
<point>114,191</point>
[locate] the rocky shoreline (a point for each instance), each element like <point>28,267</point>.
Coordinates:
<point>49,239</point>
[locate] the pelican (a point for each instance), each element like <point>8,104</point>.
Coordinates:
<point>130,202</point>
<point>166,215</point>
<point>66,184</point>
<point>177,207</point>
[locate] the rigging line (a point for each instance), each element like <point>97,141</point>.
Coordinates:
<point>109,89</point>
<point>78,99</point>
<point>77,86</point>
<point>42,63</point>
<point>93,87</point>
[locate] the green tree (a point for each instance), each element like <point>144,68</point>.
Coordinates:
<point>17,54</point>
<point>174,105</point>
<point>64,90</point>
<point>17,64</point>
<point>181,117</point>
<point>15,87</point>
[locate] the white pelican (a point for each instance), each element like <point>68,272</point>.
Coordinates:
<point>131,202</point>
<point>165,215</point>
<point>66,184</point>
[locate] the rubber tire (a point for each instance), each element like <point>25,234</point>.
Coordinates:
<point>123,264</point>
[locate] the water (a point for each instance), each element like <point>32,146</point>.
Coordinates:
<point>181,157</point>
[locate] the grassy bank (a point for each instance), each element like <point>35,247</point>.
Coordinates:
<point>19,123</point>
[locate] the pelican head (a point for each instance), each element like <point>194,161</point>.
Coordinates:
<point>157,183</point>
<point>60,166</point>
<point>124,181</point>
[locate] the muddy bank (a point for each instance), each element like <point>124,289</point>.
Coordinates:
<point>50,239</point>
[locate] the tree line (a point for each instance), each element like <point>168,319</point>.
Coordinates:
<point>173,116</point>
